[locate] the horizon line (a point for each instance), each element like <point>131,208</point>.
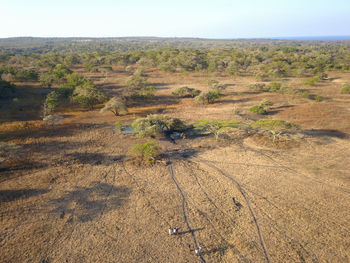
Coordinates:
<point>302,37</point>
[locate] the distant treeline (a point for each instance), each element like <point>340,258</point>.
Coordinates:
<point>30,45</point>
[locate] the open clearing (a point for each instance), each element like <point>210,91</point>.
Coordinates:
<point>80,200</point>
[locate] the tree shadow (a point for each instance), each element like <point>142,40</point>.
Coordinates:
<point>326,133</point>
<point>220,250</point>
<point>181,154</point>
<point>233,100</point>
<point>86,203</point>
<point>191,231</point>
<point>61,130</point>
<point>92,158</point>
<point>11,195</point>
<point>157,100</point>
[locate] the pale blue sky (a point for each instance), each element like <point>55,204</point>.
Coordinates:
<point>177,18</point>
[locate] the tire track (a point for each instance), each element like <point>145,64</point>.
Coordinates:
<point>248,204</point>
<point>274,224</point>
<point>294,243</point>
<point>184,201</point>
<point>228,244</point>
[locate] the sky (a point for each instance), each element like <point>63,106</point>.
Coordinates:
<point>176,18</point>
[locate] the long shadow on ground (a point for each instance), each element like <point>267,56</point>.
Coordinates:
<point>86,203</point>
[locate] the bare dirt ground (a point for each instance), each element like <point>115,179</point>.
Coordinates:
<point>80,200</point>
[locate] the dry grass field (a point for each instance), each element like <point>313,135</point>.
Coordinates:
<point>77,197</point>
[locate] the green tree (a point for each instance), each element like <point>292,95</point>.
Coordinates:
<point>215,127</point>
<point>88,95</point>
<point>115,105</point>
<point>52,100</point>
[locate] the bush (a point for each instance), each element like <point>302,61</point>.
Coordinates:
<point>216,86</point>
<point>52,100</point>
<point>144,93</point>
<point>266,103</point>
<point>115,105</point>
<point>274,125</point>
<point>305,94</point>
<point>155,124</point>
<point>209,97</point>
<point>216,127</point>
<point>136,82</point>
<point>88,95</point>
<point>186,92</point>
<point>257,109</point>
<point>346,88</point>
<point>260,87</point>
<point>118,126</point>
<point>318,98</point>
<point>274,87</point>
<point>147,152</point>
<point>262,76</point>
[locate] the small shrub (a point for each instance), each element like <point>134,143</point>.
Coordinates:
<point>321,75</point>
<point>186,92</point>
<point>209,97</point>
<point>274,125</point>
<point>259,87</point>
<point>305,94</point>
<point>262,76</point>
<point>147,152</point>
<point>129,69</point>
<point>318,98</point>
<point>239,93</point>
<point>118,126</point>
<point>257,109</point>
<point>216,86</point>
<point>155,124</point>
<point>346,88</point>
<point>266,103</point>
<point>274,87</point>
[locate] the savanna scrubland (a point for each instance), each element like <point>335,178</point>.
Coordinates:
<point>106,143</point>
